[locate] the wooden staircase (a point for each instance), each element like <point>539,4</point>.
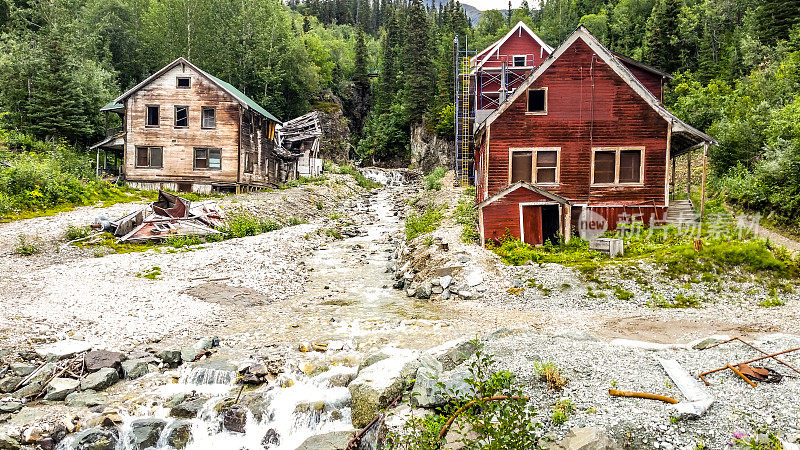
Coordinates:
<point>681,212</point>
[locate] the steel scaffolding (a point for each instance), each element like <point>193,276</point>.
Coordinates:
<point>464,111</point>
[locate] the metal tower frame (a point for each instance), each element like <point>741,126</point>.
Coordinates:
<point>464,113</point>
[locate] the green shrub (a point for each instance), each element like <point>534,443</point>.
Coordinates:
<point>73,232</point>
<point>428,221</point>
<point>180,241</point>
<point>241,225</point>
<point>27,246</point>
<point>467,216</point>
<point>561,411</point>
<point>362,181</point>
<point>433,180</point>
<point>681,301</point>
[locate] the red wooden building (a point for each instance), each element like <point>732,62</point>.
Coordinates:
<point>585,131</point>
<point>503,66</point>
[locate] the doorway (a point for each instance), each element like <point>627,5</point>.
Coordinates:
<point>540,223</point>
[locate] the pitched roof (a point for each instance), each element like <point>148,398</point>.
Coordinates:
<point>492,49</point>
<point>240,97</point>
<point>641,65</point>
<point>523,184</point>
<point>678,126</point>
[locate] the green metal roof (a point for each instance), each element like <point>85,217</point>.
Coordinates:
<point>111,106</point>
<point>243,98</point>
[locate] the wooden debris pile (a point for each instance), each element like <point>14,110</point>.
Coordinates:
<point>168,216</point>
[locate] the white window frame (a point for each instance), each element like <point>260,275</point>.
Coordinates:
<point>535,154</point>
<point>525,64</point>
<point>527,101</point>
<point>617,151</point>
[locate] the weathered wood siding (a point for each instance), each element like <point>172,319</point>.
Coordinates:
<point>179,143</point>
<point>255,142</point>
<point>588,106</point>
<point>653,82</point>
<point>501,217</point>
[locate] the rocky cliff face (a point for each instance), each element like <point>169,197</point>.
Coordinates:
<point>429,150</point>
<point>335,142</point>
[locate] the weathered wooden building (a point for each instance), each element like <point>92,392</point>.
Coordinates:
<point>500,68</point>
<point>585,131</point>
<point>186,130</point>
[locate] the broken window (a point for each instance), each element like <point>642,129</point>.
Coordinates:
<point>520,60</point>
<point>249,159</point>
<point>183,82</point>
<point>207,158</point>
<point>604,166</point>
<point>149,157</point>
<point>630,166</point>
<point>546,166</point>
<point>152,116</point>
<point>537,100</point>
<point>209,117</point>
<point>181,117</point>
<point>521,166</point>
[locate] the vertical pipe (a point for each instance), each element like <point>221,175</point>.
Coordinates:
<point>703,185</point>
<point>689,176</point>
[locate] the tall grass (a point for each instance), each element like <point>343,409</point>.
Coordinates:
<point>433,180</point>
<point>425,222</point>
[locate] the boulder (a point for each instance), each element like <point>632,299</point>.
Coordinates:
<point>191,352</point>
<point>386,353</point>
<point>62,349</point>
<point>42,375</point>
<point>8,443</point>
<point>585,439</point>
<point>424,290</point>
<point>9,406</point>
<point>22,370</point>
<point>336,440</point>
<point>179,434</point>
<point>188,409</point>
<point>86,399</point>
<point>271,439</point>
<point>453,353</point>
<point>337,376</point>
<point>171,358</point>
<point>8,384</point>
<point>235,418</point>
<point>59,388</point>
<point>103,359</point>
<point>378,385</point>
<point>29,390</point>
<point>135,368</point>
<point>444,281</point>
<point>145,432</point>
<point>100,380</point>
<point>426,393</point>
<point>95,439</point>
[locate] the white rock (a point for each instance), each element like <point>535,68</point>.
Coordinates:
<point>474,277</point>
<point>62,349</point>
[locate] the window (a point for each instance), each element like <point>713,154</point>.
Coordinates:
<point>183,82</point>
<point>209,117</point>
<point>546,166</point>
<point>630,162</point>
<point>617,165</point>
<point>207,158</point>
<point>181,117</point>
<point>520,61</point>
<point>149,157</point>
<point>521,166</point>
<point>537,101</point>
<point>534,165</point>
<point>152,116</point>
<point>604,163</point>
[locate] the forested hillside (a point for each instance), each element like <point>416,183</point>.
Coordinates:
<point>737,66</point>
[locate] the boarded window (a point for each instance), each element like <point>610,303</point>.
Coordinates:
<point>152,116</point>
<point>630,165</point>
<point>183,82</point>
<point>209,117</point>
<point>521,166</point>
<point>249,160</point>
<point>214,158</point>
<point>546,166</point>
<point>149,157</point>
<point>604,165</point>
<point>181,117</point>
<point>519,61</point>
<point>537,100</point>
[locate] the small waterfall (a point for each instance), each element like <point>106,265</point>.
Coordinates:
<point>205,375</point>
<point>386,177</point>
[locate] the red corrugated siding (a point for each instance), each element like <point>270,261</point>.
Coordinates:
<point>519,45</point>
<point>503,214</point>
<point>580,117</point>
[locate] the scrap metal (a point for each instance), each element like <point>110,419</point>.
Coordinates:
<point>754,348</point>
<point>663,398</point>
<point>732,366</point>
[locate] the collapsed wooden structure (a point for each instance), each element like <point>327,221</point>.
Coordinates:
<point>302,136</point>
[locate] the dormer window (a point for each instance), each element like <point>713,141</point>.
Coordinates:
<point>183,82</point>
<point>537,101</point>
<point>520,61</point>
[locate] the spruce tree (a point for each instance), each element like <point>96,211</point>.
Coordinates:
<point>661,40</point>
<point>419,72</point>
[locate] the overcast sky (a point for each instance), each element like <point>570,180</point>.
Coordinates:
<point>484,5</point>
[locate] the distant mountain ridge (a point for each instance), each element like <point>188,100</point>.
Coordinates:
<point>472,12</point>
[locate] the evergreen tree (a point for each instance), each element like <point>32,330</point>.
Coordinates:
<point>661,47</point>
<point>419,73</point>
<point>775,18</point>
